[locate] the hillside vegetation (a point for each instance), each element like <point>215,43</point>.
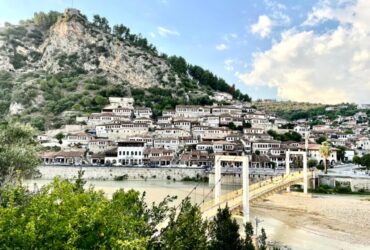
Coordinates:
<point>57,66</point>
<point>300,110</point>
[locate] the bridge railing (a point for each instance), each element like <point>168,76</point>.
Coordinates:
<point>255,189</point>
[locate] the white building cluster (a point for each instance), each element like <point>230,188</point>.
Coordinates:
<point>190,135</point>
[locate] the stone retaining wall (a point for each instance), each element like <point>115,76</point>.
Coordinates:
<point>110,173</point>
<point>356,183</point>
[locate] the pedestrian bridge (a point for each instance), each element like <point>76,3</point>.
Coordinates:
<point>257,191</point>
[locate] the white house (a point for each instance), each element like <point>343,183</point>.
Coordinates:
<point>302,130</point>
<point>363,143</point>
<point>104,118</point>
<point>226,110</point>
<point>221,97</point>
<point>127,102</point>
<point>148,140</point>
<point>192,111</point>
<point>182,124</point>
<point>121,131</point>
<point>164,120</point>
<point>210,121</point>
<point>264,146</point>
<point>81,138</point>
<point>314,153</point>
<point>130,153</point>
<point>167,143</point>
<point>172,132</point>
<point>97,145</point>
<point>253,130</point>
<point>348,155</point>
<point>143,112</point>
<point>215,133</point>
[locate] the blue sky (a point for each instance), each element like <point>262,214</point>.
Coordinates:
<point>231,38</point>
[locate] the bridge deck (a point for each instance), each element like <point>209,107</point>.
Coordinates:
<point>257,191</point>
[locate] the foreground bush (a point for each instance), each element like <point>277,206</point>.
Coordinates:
<point>64,215</point>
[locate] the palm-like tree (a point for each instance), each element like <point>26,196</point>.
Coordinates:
<point>325,152</point>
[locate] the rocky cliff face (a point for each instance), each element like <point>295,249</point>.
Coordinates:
<point>74,43</point>
<point>56,66</point>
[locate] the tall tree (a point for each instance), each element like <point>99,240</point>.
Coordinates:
<point>262,240</point>
<point>224,232</point>
<point>356,160</point>
<point>18,152</point>
<point>248,236</point>
<point>325,152</point>
<point>185,231</point>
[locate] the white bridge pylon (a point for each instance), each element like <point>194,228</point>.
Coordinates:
<point>245,174</point>
<point>287,167</point>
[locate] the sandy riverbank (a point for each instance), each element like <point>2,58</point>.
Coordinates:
<point>344,218</point>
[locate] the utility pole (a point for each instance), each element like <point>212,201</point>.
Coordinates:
<point>258,221</point>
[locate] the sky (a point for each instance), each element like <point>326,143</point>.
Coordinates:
<point>306,50</point>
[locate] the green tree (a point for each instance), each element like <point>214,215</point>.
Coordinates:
<point>18,152</point>
<point>321,139</point>
<point>184,231</point>
<point>247,124</point>
<point>62,215</point>
<point>365,161</point>
<point>60,136</point>
<point>312,163</point>
<point>179,64</point>
<point>101,23</point>
<point>224,232</point>
<point>120,30</point>
<point>45,20</point>
<point>100,100</point>
<point>341,151</point>
<point>262,240</point>
<point>232,126</point>
<point>325,152</point>
<point>248,228</point>
<point>356,160</point>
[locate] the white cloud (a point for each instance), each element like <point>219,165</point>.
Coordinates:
<point>164,32</point>
<point>262,27</point>
<point>221,46</point>
<point>274,5</point>
<point>329,67</point>
<point>152,35</point>
<point>229,64</point>
<point>277,13</point>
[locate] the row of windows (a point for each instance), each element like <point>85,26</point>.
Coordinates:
<point>129,152</point>
<point>130,161</point>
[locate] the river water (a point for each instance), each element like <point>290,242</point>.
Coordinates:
<point>276,230</point>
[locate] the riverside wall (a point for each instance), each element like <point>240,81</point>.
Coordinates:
<point>111,173</point>
<point>357,183</point>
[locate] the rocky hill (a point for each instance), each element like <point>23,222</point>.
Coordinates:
<point>56,66</point>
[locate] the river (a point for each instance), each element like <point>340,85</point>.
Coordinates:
<point>277,229</point>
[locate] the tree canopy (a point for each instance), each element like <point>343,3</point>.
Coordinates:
<point>45,20</point>
<point>18,152</point>
<point>288,136</point>
<point>363,161</point>
<point>65,215</point>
